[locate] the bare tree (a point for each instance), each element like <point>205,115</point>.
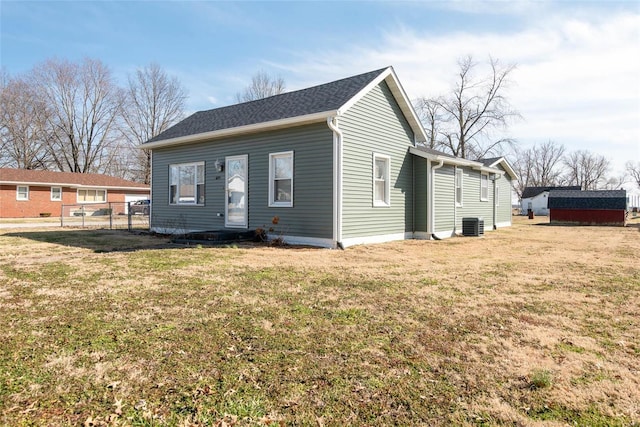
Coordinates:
<point>262,86</point>
<point>586,169</point>
<point>475,109</point>
<point>85,103</point>
<point>615,182</point>
<point>538,166</point>
<point>23,125</point>
<point>4,82</point>
<point>547,162</point>
<point>430,114</point>
<point>523,166</point>
<point>154,102</point>
<point>633,169</point>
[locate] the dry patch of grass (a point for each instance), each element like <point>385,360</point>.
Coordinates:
<point>534,324</point>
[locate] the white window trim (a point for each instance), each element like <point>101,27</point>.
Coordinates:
<point>53,199</point>
<point>272,202</point>
<point>195,202</point>
<point>106,198</point>
<point>18,187</point>
<point>484,177</point>
<point>458,171</point>
<point>387,202</point>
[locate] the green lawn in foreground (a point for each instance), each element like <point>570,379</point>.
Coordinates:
<point>109,328</point>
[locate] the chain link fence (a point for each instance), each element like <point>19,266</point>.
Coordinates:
<point>112,215</point>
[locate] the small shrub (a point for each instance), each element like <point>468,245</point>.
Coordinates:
<point>262,233</point>
<point>278,241</point>
<point>45,214</point>
<point>540,378</point>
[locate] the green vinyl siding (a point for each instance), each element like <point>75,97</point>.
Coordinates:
<point>504,209</point>
<point>444,199</point>
<point>421,187</point>
<point>312,211</point>
<point>472,205</point>
<point>376,125</point>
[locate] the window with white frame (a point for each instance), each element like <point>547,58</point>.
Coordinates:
<point>281,179</point>
<point>91,195</point>
<point>56,194</point>
<point>458,187</point>
<point>186,184</point>
<point>484,186</point>
<point>22,192</point>
<point>381,179</point>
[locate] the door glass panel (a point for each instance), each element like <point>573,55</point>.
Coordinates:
<point>236,204</point>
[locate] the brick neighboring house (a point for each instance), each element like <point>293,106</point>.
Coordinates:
<point>33,193</point>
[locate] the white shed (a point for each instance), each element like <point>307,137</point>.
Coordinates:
<point>536,199</point>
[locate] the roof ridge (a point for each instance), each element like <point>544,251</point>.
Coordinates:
<point>303,89</point>
<point>309,88</point>
<point>318,99</point>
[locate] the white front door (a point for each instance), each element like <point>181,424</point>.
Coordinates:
<point>236,192</point>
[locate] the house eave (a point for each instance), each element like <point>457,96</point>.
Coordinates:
<point>456,161</point>
<point>390,77</point>
<point>507,167</point>
<point>240,130</point>
<point>71,185</point>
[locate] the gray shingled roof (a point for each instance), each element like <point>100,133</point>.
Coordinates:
<point>317,99</point>
<point>595,199</point>
<point>488,162</point>
<point>534,191</point>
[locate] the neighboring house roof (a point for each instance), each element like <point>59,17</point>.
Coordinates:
<point>67,179</point>
<point>314,104</point>
<point>596,199</point>
<point>534,191</point>
<point>449,159</point>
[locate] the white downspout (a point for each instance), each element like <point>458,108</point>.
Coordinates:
<point>432,202</point>
<point>496,177</point>
<point>495,206</point>
<point>150,189</point>
<point>332,122</point>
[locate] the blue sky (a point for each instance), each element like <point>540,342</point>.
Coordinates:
<point>577,80</point>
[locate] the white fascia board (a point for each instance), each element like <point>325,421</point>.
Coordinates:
<point>399,94</point>
<point>66,184</point>
<point>507,167</point>
<point>455,161</point>
<point>406,106</point>
<point>256,127</point>
<point>358,96</point>
<point>446,159</point>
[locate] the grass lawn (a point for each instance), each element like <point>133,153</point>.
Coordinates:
<point>529,325</point>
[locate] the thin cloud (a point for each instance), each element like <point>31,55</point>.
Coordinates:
<point>577,80</point>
